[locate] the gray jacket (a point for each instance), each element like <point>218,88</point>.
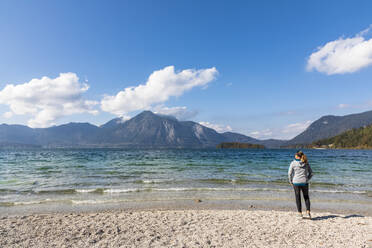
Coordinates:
<point>299,172</point>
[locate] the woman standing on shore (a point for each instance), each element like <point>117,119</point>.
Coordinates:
<point>299,174</point>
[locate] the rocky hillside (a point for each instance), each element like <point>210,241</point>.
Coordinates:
<point>147,130</point>
<point>329,126</point>
<point>358,138</point>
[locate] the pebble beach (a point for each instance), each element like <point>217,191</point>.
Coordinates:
<point>185,228</point>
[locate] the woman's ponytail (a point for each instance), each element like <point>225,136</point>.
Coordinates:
<point>304,159</point>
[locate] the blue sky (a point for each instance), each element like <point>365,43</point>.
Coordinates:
<point>237,65</point>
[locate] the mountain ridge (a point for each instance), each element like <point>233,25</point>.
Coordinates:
<point>143,130</point>
<point>331,125</point>
<point>356,138</point>
<point>150,130</point>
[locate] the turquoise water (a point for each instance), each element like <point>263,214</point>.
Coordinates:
<point>96,176</point>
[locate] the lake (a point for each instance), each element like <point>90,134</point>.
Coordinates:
<point>100,176</point>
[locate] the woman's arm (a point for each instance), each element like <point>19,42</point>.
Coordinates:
<point>310,172</point>
<point>290,173</point>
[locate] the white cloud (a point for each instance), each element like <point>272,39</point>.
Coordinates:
<point>160,86</point>
<point>287,132</point>
<point>47,99</point>
<point>8,114</point>
<point>255,133</point>
<point>345,55</point>
<point>263,134</point>
<point>296,128</point>
<point>343,105</point>
<point>181,113</point>
<point>218,127</point>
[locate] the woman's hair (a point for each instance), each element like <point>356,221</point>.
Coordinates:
<point>302,156</point>
<point>304,159</point>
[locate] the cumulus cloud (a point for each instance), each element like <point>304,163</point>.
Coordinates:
<point>160,86</point>
<point>47,99</point>
<point>296,128</point>
<point>343,105</point>
<point>263,134</point>
<point>360,106</point>
<point>218,127</point>
<point>181,113</point>
<point>287,132</point>
<point>344,55</point>
<point>8,115</point>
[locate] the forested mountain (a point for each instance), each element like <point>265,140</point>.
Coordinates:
<point>357,138</point>
<point>329,126</point>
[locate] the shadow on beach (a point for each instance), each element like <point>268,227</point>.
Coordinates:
<point>337,216</point>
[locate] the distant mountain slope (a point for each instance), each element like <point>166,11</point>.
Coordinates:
<point>329,126</point>
<point>238,145</point>
<point>70,134</point>
<point>158,131</point>
<point>144,130</point>
<point>17,134</point>
<point>237,137</point>
<point>354,138</point>
<point>272,143</point>
<point>151,130</point>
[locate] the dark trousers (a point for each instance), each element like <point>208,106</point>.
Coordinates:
<point>305,193</point>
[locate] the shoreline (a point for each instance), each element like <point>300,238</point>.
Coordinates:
<point>188,204</point>
<point>185,228</point>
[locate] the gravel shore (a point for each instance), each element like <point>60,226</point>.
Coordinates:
<point>185,228</point>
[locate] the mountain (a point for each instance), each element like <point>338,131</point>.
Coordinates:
<point>240,138</point>
<point>152,130</point>
<point>238,145</point>
<point>329,126</point>
<point>147,130</point>
<point>71,134</point>
<point>17,134</point>
<point>354,138</point>
<point>272,143</point>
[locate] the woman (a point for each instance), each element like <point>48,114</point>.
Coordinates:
<point>299,174</point>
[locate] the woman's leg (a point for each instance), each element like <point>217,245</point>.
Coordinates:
<point>298,197</point>
<point>305,192</point>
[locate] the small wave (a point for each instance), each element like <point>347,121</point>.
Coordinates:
<point>29,202</point>
<point>44,168</point>
<point>9,181</point>
<point>339,191</point>
<point>8,191</point>
<point>257,189</point>
<point>8,204</point>
<point>216,181</point>
<point>57,191</point>
<point>86,190</point>
<point>115,191</point>
<point>6,196</point>
<point>174,189</point>
<point>154,181</point>
<point>88,201</point>
<point>240,181</point>
<point>219,189</point>
<point>77,202</point>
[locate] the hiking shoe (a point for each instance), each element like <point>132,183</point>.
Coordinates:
<point>300,215</point>
<point>308,215</point>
